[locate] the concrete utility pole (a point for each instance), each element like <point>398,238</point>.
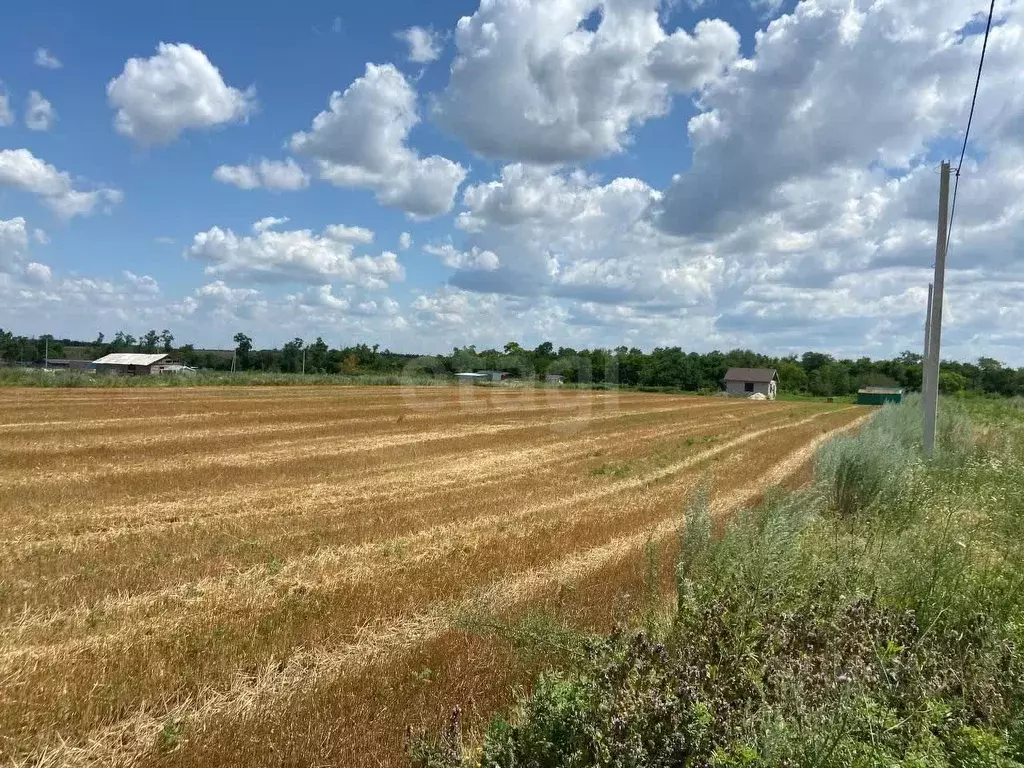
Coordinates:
<point>927,340</point>
<point>931,394</point>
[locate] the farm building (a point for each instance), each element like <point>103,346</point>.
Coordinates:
<point>471,378</point>
<point>879,395</point>
<point>744,382</point>
<point>495,375</point>
<point>554,378</point>
<point>480,376</point>
<point>130,363</point>
<point>167,367</point>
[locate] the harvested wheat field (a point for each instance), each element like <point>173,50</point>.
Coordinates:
<point>214,577</point>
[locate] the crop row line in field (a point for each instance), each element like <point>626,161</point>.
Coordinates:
<point>283,420</point>
<point>115,451</point>
<point>292,450</point>
<point>365,561</point>
<point>428,475</point>
<point>52,579</point>
<point>424,401</point>
<point>122,742</point>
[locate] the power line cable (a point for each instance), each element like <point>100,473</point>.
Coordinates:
<point>970,119</point>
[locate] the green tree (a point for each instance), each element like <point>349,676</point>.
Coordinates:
<point>47,347</point>
<point>829,380</point>
<point>465,360</point>
<point>792,377</point>
<point>812,361</point>
<point>149,341</point>
<point>243,346</point>
<point>349,365</point>
<point>167,341</point>
<point>545,349</point>
<point>316,356</point>
<point>122,342</point>
<point>950,383</point>
<point>543,354</point>
<point>187,355</point>
<point>601,365</point>
<point>291,356</point>
<point>628,365</point>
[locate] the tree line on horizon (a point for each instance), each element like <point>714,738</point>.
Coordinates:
<point>669,368</point>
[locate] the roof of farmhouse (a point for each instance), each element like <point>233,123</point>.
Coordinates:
<point>756,375</point>
<point>129,358</point>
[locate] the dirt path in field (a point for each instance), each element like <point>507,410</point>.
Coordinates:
<point>223,618</point>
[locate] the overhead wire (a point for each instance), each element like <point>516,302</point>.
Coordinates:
<point>970,119</point>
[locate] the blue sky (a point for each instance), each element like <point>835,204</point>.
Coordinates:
<point>169,189</point>
<point>708,174</point>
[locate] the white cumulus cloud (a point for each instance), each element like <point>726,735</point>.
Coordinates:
<point>38,273</point>
<point>268,222</point>
<point>174,90</point>
<point>20,169</point>
<point>777,120</point>
<point>807,217</point>
<point>293,256</point>
<point>43,58</point>
<point>361,141</point>
<point>15,269</point>
<point>568,235</point>
<point>6,114</point>
<point>424,43</point>
<point>354,235</point>
<point>474,258</point>
<point>142,283</point>
<point>265,174</point>
<point>39,113</point>
<point>13,243</point>
<point>531,82</point>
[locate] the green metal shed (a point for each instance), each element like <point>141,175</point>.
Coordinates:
<point>879,395</point>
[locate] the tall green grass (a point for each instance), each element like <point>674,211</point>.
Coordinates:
<point>874,618</point>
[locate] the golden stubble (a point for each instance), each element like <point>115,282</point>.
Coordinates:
<point>209,561</point>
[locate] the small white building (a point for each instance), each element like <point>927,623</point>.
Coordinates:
<point>166,367</point>
<point>480,376</point>
<point>744,382</point>
<point>554,378</point>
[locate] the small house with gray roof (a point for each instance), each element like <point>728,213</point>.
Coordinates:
<point>744,382</point>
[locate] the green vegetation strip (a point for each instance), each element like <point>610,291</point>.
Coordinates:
<point>874,618</point>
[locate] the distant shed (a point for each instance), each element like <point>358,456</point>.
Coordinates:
<point>128,363</point>
<point>879,395</point>
<point>744,382</point>
<point>167,367</point>
<point>495,375</point>
<point>471,378</point>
